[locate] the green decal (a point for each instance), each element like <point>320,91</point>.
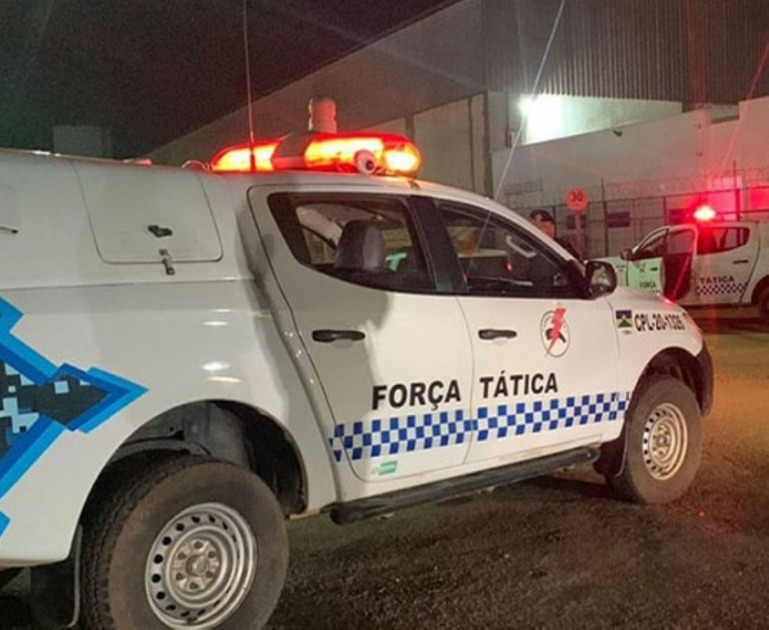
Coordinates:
<point>388,468</point>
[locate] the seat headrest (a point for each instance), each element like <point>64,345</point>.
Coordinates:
<point>361,246</point>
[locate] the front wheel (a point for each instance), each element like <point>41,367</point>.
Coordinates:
<point>661,443</point>
<point>186,542</point>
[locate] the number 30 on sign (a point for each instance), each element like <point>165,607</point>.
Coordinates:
<point>577,199</point>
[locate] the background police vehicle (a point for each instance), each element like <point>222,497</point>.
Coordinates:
<point>707,263</point>
<point>189,358</point>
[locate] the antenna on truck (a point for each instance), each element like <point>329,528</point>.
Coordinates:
<point>248,88</point>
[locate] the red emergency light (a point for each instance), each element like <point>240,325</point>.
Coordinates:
<point>369,153</point>
<point>704,214</point>
<point>238,159</point>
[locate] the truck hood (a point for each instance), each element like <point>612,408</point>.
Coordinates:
<point>624,297</point>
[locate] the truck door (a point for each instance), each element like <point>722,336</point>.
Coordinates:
<point>726,256</point>
<point>545,368</point>
<point>390,352</point>
<point>677,262</point>
<point>644,265</point>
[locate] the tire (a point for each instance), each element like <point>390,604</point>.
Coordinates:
<point>763,305</point>
<point>664,412</point>
<point>176,529</point>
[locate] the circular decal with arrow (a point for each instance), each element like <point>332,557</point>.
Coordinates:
<point>554,332</point>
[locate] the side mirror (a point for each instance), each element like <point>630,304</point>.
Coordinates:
<point>625,254</point>
<point>601,278</point>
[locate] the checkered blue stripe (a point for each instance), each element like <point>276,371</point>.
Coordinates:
<point>415,432</point>
<point>405,434</point>
<point>721,288</point>
<point>522,418</point>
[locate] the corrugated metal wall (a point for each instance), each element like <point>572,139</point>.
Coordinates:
<point>693,51</point>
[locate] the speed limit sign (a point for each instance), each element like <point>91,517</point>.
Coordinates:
<point>577,199</point>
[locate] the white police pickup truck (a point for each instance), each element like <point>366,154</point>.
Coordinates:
<point>714,263</point>
<point>188,358</point>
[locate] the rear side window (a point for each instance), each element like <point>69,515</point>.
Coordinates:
<point>366,240</point>
<point>714,240</point>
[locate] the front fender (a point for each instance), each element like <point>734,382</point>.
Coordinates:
<point>647,326</point>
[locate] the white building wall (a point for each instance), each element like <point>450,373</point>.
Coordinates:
<point>647,169</point>
<point>452,140</point>
<point>451,137</point>
<point>541,173</point>
<point>662,157</point>
<point>550,116</point>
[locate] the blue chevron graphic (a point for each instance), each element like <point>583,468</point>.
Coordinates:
<point>39,401</point>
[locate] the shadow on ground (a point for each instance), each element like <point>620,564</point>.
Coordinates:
<point>14,613</point>
<point>574,487</point>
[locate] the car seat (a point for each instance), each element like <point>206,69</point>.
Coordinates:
<point>361,248</point>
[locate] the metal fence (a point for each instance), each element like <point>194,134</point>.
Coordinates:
<point>610,225</point>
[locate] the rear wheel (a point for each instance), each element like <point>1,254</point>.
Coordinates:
<point>763,304</point>
<point>188,542</point>
<point>661,443</point>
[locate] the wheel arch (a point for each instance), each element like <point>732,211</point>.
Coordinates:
<point>761,285</point>
<point>685,367</point>
<point>231,431</point>
<point>695,372</point>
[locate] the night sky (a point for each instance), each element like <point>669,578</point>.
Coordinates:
<point>152,70</point>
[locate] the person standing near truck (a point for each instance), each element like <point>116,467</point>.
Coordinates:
<point>545,222</point>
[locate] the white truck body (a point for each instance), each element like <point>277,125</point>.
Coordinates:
<point>719,263</point>
<point>132,295</point>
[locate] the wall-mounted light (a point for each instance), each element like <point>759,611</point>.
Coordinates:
<point>543,117</point>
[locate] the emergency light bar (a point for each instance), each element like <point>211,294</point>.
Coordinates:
<point>238,159</point>
<point>368,153</point>
<point>704,214</point>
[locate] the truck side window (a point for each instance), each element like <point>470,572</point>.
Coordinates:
<point>651,248</point>
<point>713,240</point>
<point>367,240</point>
<point>499,259</point>
<point>679,242</point>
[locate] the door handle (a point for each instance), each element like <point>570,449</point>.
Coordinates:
<point>487,334</point>
<point>327,336</point>
<point>741,261</point>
